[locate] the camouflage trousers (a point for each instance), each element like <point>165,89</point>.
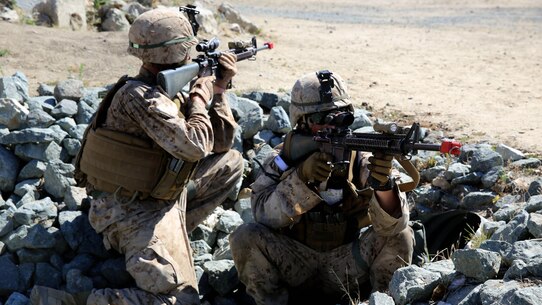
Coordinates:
<point>154,239</point>
<point>271,264</point>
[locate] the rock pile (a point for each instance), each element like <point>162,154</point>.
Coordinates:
<point>46,239</point>
<point>117,15</point>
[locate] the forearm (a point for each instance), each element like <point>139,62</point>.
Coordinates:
<point>223,122</point>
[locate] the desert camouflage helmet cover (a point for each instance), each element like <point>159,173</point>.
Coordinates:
<point>306,96</point>
<point>161,36</point>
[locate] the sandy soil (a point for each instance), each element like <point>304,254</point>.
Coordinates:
<point>471,68</point>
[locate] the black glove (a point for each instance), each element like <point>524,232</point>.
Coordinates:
<point>380,176</point>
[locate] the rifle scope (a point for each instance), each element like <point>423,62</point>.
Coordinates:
<point>208,45</point>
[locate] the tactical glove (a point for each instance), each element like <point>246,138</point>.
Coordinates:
<point>317,167</point>
<point>202,89</point>
<point>380,167</point>
<point>227,68</point>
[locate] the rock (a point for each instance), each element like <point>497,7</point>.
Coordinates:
<point>492,176</point>
<point>47,275</point>
<point>17,298</point>
<point>77,282</point>
<point>485,159</point>
<point>534,204</point>
<point>39,118</point>
<point>115,21</point>
<point>379,298</point>
<point>114,270</point>
<point>70,14</point>
<point>527,163</point>
<point>477,263</point>
<point>206,20</point>
<point>508,153</point>
<point>65,108</point>
<point>42,151</point>
<point>248,114</point>
<point>456,170</point>
<point>12,113</point>
<point>9,168</point>
<point>412,283</point>
<point>79,234</point>
<point>525,250</point>
<point>32,135</point>
<point>475,200</point>
<point>278,121</point>
<point>58,177</point>
<point>9,276</point>
<point>234,16</point>
<point>222,275</point>
<point>493,291</point>
<point>200,247</point>
<point>14,87</point>
<point>32,169</point>
<point>515,230</point>
<point>534,225</point>
<point>43,211</point>
<point>229,221</point>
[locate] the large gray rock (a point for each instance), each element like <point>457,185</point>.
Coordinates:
<point>58,177</point>
<point>477,263</point>
<point>233,16</point>
<point>115,21</point>
<point>515,230</point>
<point>47,151</point>
<point>12,113</point>
<point>222,275</point>
<point>9,276</point>
<point>9,168</point>
<point>476,200</point>
<point>412,283</point>
<point>14,87</point>
<point>31,135</point>
<point>65,108</point>
<point>485,159</point>
<point>508,153</point>
<point>229,221</point>
<point>534,204</point>
<point>43,211</point>
<point>278,121</point>
<point>492,292</point>
<point>70,14</point>
<point>248,114</point>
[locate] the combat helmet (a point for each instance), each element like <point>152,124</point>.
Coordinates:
<point>318,92</point>
<point>161,36</point>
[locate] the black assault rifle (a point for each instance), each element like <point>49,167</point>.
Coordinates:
<point>173,80</point>
<point>389,139</point>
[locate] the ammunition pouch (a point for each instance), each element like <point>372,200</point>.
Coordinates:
<point>123,164</point>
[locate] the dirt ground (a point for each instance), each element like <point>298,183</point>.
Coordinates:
<point>470,68</point>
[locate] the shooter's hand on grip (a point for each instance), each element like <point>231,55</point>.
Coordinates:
<point>317,167</point>
<point>380,175</point>
<point>227,66</point>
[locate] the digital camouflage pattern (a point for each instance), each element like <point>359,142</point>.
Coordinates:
<point>269,263</point>
<point>152,233</point>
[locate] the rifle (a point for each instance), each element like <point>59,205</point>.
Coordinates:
<point>389,139</point>
<point>173,80</point>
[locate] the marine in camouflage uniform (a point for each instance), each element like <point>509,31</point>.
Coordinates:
<point>307,237</point>
<point>152,233</point>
